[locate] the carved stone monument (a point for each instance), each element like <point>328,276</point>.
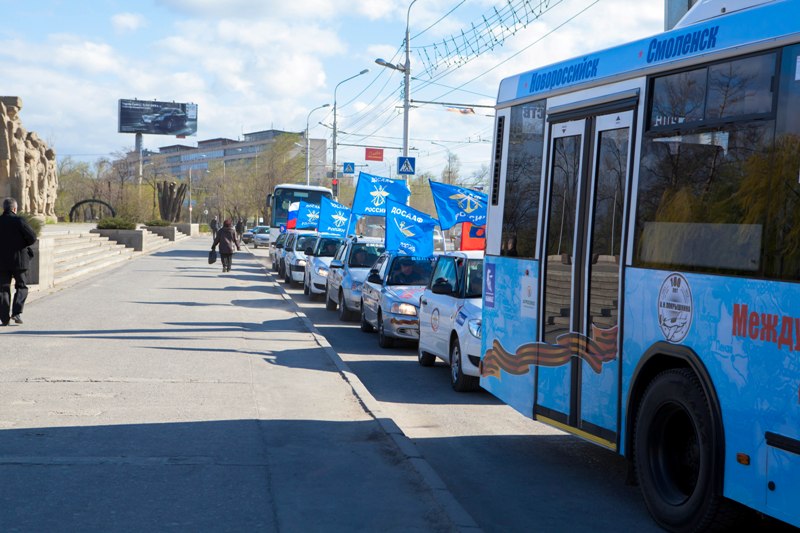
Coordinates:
<point>27,165</point>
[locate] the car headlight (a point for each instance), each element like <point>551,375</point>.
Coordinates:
<point>301,263</point>
<point>322,272</point>
<point>356,286</point>
<point>475,328</point>
<point>404,309</point>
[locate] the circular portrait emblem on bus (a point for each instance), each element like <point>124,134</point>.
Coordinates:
<point>675,308</point>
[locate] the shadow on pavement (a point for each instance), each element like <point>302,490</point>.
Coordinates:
<point>231,475</point>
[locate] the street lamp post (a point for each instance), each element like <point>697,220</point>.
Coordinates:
<point>308,144</point>
<point>335,171</point>
<point>406,70</point>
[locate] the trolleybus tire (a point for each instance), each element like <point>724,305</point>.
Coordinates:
<point>675,452</point>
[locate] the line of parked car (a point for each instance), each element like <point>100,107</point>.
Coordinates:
<point>433,302</point>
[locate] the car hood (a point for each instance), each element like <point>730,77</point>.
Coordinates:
<point>473,308</point>
<point>322,261</point>
<point>358,274</point>
<point>406,293</point>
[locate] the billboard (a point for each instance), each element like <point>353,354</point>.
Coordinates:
<point>162,118</point>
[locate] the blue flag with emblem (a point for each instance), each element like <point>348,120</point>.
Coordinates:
<point>372,193</point>
<point>333,217</point>
<point>455,205</point>
<point>409,231</point>
<point>307,216</point>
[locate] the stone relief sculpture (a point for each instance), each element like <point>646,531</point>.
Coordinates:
<point>27,164</point>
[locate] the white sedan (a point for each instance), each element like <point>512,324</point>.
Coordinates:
<point>450,318</point>
<point>318,263</point>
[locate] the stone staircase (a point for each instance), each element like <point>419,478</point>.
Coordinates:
<point>77,252</point>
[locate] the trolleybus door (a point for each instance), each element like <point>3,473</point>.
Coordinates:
<point>578,375</point>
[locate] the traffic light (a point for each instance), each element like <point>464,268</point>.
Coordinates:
<point>335,186</point>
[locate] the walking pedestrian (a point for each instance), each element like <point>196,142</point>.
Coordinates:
<point>214,226</point>
<point>16,236</point>
<point>228,241</point>
<point>239,229</point>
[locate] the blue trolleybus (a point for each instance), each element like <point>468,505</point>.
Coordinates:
<point>642,275</point>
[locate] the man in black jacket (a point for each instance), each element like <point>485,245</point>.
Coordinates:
<point>15,237</point>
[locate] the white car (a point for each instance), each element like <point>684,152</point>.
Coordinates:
<point>348,270</point>
<point>294,258</point>
<point>275,248</point>
<point>318,263</point>
<point>261,237</point>
<point>450,318</point>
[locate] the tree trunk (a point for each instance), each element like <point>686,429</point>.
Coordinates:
<point>170,200</point>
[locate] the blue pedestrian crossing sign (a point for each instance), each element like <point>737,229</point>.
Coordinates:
<point>406,165</point>
<point>348,168</point>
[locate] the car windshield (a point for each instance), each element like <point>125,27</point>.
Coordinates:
<point>364,254</point>
<point>410,271</point>
<point>304,241</point>
<point>327,247</point>
<point>474,278</point>
<point>281,238</point>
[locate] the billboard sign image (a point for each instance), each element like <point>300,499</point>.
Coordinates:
<point>162,118</point>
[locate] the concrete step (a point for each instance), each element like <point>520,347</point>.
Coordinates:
<point>95,266</point>
<point>69,250</point>
<point>88,257</point>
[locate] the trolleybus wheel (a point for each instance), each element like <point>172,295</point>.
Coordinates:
<point>676,449</point>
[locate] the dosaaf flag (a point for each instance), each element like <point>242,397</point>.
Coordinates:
<point>307,216</point>
<point>372,192</point>
<point>409,231</point>
<point>333,217</point>
<point>455,205</point>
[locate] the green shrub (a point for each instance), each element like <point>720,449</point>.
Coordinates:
<point>116,223</point>
<point>204,228</point>
<point>158,222</point>
<point>35,223</point>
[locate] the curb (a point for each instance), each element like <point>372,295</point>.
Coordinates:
<point>459,516</point>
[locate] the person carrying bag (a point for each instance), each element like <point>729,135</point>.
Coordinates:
<point>228,242</point>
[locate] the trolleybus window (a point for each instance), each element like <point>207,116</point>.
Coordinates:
<point>700,184</point>
<point>523,180</point>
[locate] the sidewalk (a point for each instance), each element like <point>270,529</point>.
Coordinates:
<point>165,395</point>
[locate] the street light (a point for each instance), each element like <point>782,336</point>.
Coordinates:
<point>406,70</point>
<point>308,144</point>
<point>335,172</point>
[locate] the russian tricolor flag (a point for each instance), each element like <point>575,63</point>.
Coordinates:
<point>291,223</point>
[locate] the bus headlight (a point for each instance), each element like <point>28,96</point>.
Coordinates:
<point>475,328</point>
<point>404,309</point>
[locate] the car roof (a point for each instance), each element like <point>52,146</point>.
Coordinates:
<point>469,254</point>
<point>360,239</point>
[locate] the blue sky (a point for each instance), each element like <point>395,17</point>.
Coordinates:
<point>253,65</point>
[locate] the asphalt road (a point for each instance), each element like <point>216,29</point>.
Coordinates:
<point>509,472</point>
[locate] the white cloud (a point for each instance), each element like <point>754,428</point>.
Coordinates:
<point>127,22</point>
